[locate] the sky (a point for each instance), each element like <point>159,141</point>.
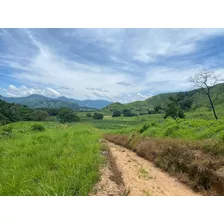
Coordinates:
<point>118,65</point>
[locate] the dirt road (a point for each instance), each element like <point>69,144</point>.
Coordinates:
<point>128,174</point>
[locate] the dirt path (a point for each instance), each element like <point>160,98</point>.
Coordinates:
<point>128,174</point>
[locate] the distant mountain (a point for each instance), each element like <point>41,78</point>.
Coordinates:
<point>98,104</point>
<point>39,101</point>
<point>199,100</point>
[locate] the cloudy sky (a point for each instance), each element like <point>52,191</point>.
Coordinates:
<point>113,64</point>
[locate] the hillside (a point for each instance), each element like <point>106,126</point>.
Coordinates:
<point>199,100</point>
<point>98,104</point>
<point>39,101</point>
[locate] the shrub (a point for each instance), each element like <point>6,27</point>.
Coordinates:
<point>88,115</point>
<point>169,131</point>
<point>37,127</point>
<point>67,115</point>
<point>222,135</point>
<point>144,128</point>
<point>98,116</point>
<point>39,115</point>
<point>7,131</point>
<point>128,113</point>
<point>4,120</point>
<point>116,113</point>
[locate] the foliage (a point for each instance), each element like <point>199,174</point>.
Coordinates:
<point>10,112</point>
<point>37,127</point>
<point>144,127</point>
<point>150,111</point>
<point>97,116</point>
<point>116,113</point>
<point>88,115</point>
<point>39,115</point>
<point>67,115</point>
<point>173,109</point>
<point>158,109</point>
<point>128,113</point>
<point>198,100</point>
<point>6,131</point>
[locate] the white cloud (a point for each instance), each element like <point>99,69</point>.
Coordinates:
<point>13,91</point>
<point>40,63</point>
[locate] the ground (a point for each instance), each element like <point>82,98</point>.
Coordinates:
<point>139,177</point>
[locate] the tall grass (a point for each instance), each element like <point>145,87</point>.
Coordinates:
<point>58,161</point>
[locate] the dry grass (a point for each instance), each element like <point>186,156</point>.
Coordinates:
<point>194,163</point>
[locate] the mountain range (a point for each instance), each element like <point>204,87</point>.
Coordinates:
<point>39,101</point>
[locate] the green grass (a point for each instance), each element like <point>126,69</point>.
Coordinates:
<point>196,126</point>
<point>58,161</point>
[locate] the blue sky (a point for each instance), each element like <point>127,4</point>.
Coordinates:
<point>113,64</point>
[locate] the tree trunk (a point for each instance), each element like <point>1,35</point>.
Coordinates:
<point>213,108</point>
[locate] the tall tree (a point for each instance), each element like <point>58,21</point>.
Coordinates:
<point>205,81</point>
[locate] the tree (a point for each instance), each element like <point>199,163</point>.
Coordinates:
<point>205,81</point>
<point>150,111</point>
<point>88,114</point>
<point>98,116</point>
<point>173,109</point>
<point>116,113</point>
<point>67,115</point>
<point>39,115</point>
<point>157,109</point>
<point>127,113</point>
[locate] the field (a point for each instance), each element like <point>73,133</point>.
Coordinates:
<point>65,159</point>
<point>62,160</point>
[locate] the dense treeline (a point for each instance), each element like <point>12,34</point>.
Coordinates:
<point>11,112</point>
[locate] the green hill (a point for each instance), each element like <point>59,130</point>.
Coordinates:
<point>38,101</point>
<point>199,101</point>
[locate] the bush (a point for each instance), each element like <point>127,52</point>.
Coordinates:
<point>116,113</point>
<point>4,120</point>
<point>7,131</point>
<point>37,127</point>
<point>67,115</point>
<point>127,113</point>
<point>151,112</point>
<point>39,115</point>
<point>98,116</point>
<point>144,128</point>
<point>88,115</point>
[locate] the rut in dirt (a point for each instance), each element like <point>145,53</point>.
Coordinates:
<point>128,174</point>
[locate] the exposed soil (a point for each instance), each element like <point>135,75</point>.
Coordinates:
<point>128,174</point>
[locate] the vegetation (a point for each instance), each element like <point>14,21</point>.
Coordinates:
<point>39,101</point>
<point>13,112</point>
<point>39,115</point>
<point>97,116</point>
<point>174,108</point>
<point>191,162</point>
<point>38,163</point>
<point>88,115</point>
<point>199,101</point>
<point>205,81</point>
<point>37,127</point>
<point>116,113</point>
<point>58,159</point>
<point>67,115</point>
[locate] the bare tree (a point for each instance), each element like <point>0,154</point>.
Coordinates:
<point>205,81</point>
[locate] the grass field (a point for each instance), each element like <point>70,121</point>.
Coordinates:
<point>65,159</point>
<point>58,161</point>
